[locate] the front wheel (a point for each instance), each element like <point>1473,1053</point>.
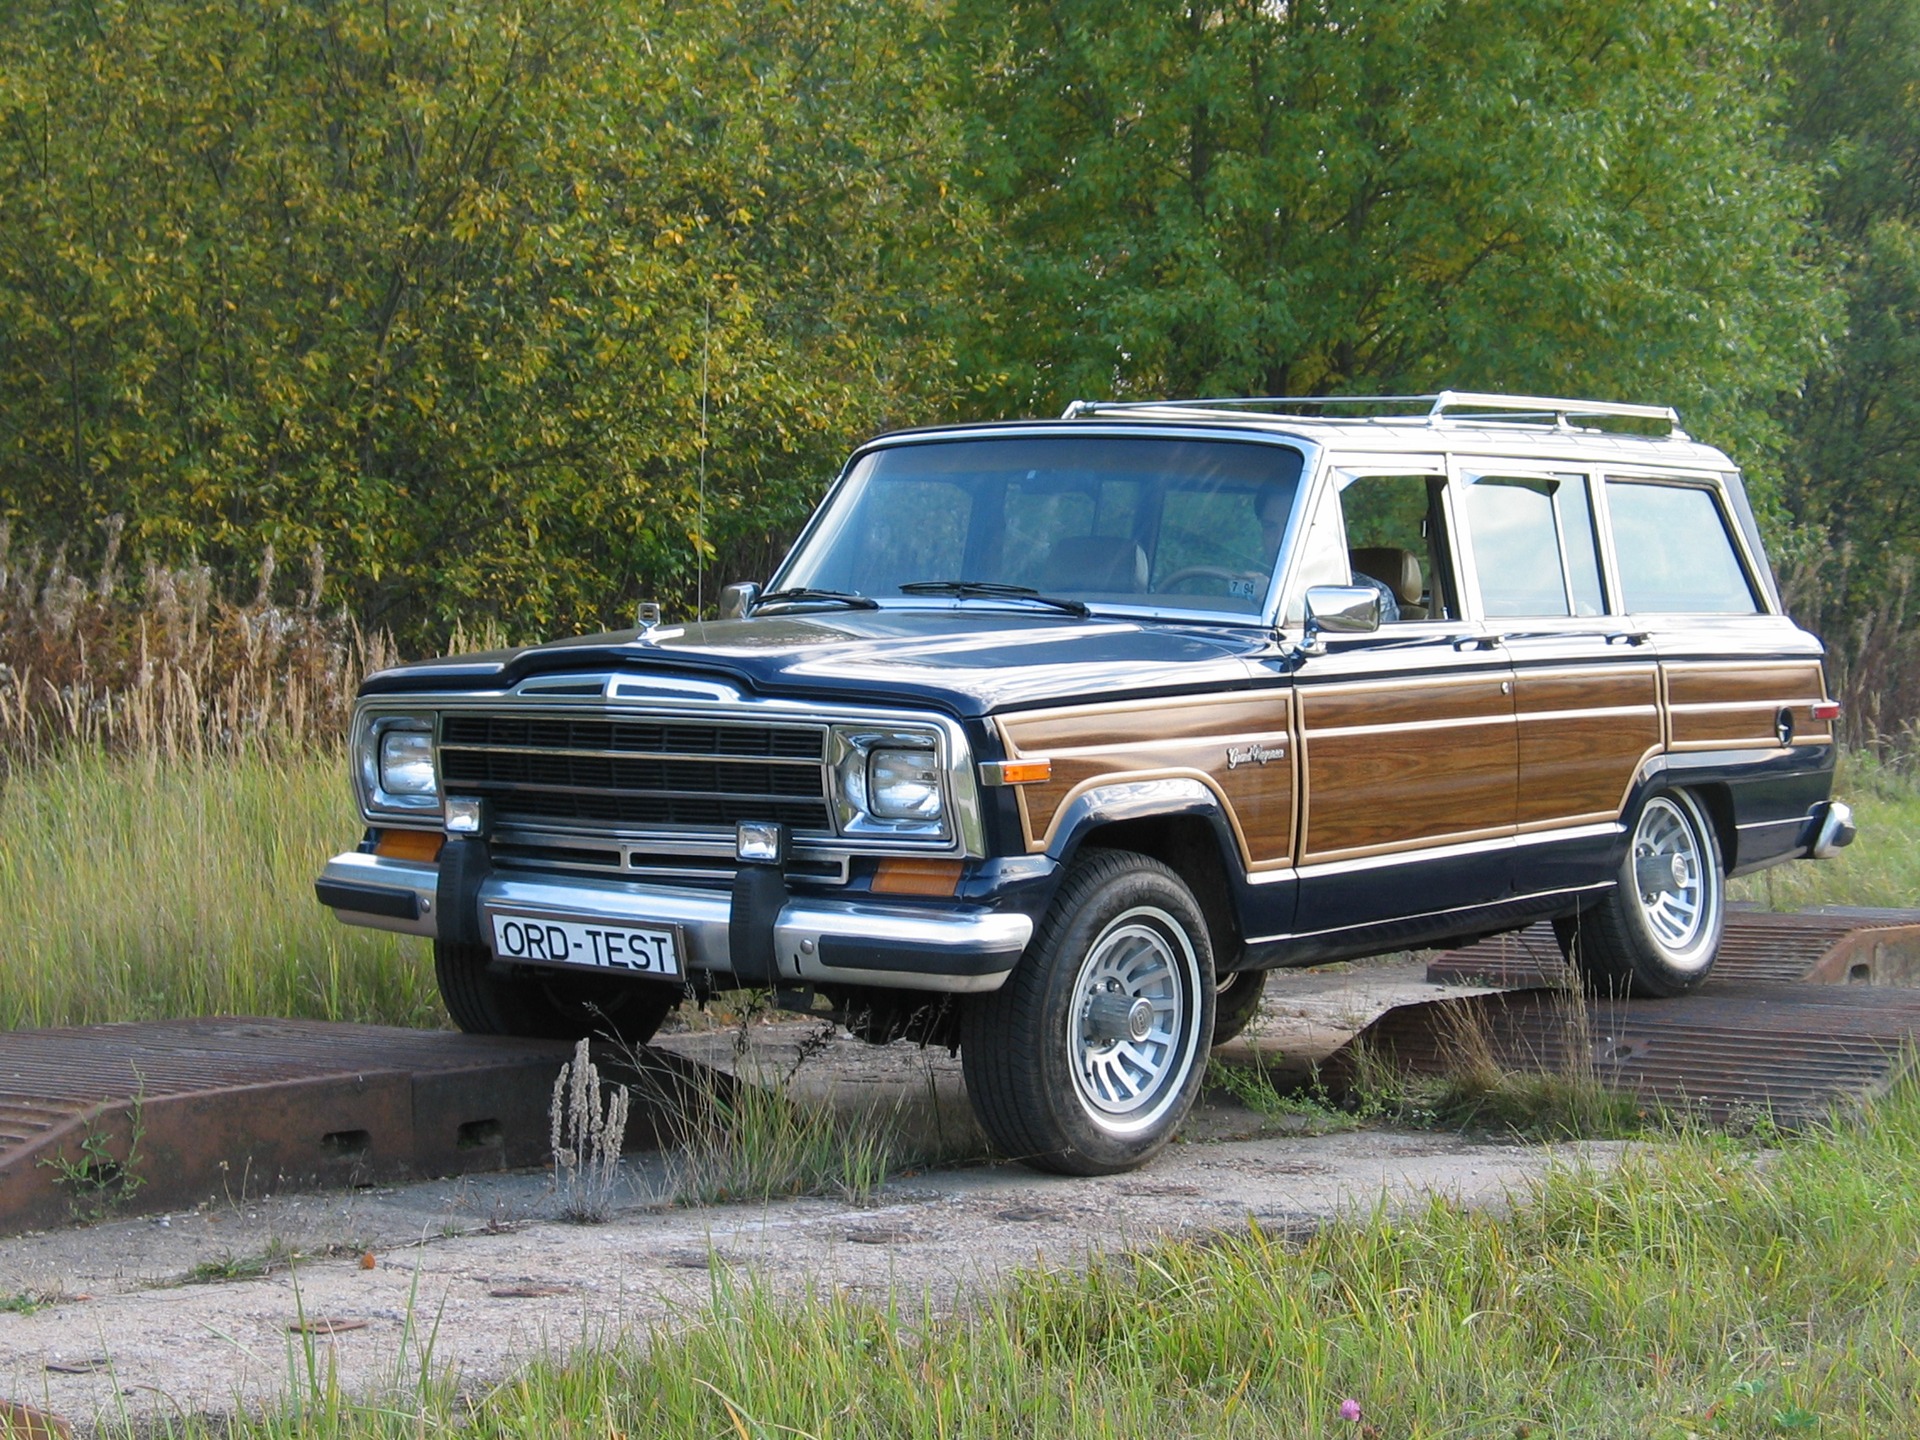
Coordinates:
<point>546,1005</point>
<point>1236,1000</point>
<point>1086,1061</point>
<point>1658,930</point>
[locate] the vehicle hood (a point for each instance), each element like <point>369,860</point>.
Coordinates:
<point>969,661</point>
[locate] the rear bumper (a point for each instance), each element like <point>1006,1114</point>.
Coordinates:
<point>956,948</point>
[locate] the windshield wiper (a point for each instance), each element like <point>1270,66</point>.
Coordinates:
<point>806,594</point>
<point>992,590</point>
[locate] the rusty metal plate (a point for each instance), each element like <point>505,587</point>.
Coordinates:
<point>1802,1012</point>
<point>241,1107</point>
<point>1756,946</point>
<point>1791,1051</point>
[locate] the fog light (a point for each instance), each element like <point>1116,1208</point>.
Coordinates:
<point>760,842</point>
<point>466,817</point>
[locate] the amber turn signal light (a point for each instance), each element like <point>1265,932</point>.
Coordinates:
<point>1015,772</point>
<point>916,877</point>
<point>409,844</point>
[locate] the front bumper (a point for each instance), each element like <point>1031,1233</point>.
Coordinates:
<point>955,948</point>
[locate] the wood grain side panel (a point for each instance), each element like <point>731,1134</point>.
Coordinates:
<point>1371,792</point>
<point>1728,706</point>
<point>1398,704</point>
<point>1406,764</point>
<point>1043,732</point>
<point>1099,745</point>
<point>1584,735</point>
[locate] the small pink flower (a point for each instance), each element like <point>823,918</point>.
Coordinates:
<point>1349,1409</point>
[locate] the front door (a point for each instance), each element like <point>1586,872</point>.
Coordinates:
<point>1407,736</point>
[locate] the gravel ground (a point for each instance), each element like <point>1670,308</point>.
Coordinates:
<point>136,1326</point>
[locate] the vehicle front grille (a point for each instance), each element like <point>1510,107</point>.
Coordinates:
<point>641,774</point>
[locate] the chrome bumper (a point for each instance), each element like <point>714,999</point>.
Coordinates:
<point>1836,831</point>
<point>958,950</point>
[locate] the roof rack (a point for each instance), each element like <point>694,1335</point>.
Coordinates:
<point>1433,409</point>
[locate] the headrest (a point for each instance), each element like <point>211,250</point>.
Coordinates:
<point>1096,562</point>
<point>1393,567</point>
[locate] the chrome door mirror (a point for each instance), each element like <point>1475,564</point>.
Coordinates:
<point>737,600</point>
<point>1339,610</point>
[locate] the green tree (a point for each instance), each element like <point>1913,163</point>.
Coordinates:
<point>447,288</point>
<point>1241,197</point>
<point>1856,425</point>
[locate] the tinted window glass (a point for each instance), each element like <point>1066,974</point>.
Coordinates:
<point>1674,551</point>
<point>1516,546</point>
<point>1174,524</point>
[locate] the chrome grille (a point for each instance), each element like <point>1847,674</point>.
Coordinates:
<point>638,774</point>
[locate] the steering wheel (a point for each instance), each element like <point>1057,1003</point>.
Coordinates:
<point>1227,578</point>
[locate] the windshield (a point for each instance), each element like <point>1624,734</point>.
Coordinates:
<point>1125,520</point>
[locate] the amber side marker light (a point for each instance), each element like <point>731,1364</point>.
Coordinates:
<point>1826,709</point>
<point>1015,772</point>
<point>409,844</point>
<point>916,877</point>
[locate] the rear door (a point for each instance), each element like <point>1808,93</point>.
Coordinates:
<point>1586,685</point>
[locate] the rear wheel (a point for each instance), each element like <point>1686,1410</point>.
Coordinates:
<point>1086,1061</point>
<point>554,1005</point>
<point>1658,930</point>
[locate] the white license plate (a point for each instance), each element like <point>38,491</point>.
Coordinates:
<point>542,940</point>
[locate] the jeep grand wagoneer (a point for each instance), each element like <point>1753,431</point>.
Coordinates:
<point>1049,738</point>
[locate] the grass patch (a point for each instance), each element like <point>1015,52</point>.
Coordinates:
<point>1699,1291</point>
<point>146,887</point>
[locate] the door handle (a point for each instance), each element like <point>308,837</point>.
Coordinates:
<point>1629,637</point>
<point>1478,642</point>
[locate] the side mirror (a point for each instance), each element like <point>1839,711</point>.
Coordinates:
<point>1339,610</point>
<point>737,600</point>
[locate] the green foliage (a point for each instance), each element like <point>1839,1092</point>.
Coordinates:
<point>1328,196</point>
<point>445,288</point>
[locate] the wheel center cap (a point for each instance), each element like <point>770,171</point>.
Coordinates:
<point>1112,1017</point>
<point>1662,874</point>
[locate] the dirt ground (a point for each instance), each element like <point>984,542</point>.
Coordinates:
<point>478,1275</point>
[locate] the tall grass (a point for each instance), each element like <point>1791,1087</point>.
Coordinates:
<point>165,665</point>
<point>145,886</point>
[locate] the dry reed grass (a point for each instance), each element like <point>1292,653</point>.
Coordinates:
<point>165,666</point>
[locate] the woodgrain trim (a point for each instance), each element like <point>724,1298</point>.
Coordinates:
<point>1716,706</point>
<point>1585,733</point>
<point>1392,766</point>
<point>1188,738</point>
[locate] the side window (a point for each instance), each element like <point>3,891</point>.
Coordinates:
<point>1397,537</point>
<point>1534,545</point>
<point>1674,551</point>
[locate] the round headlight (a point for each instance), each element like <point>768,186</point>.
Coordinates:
<point>406,762</point>
<point>903,784</point>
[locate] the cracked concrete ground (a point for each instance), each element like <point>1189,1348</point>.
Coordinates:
<point>138,1323</point>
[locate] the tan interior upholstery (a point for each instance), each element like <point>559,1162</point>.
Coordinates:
<point>1094,562</point>
<point>1398,570</point>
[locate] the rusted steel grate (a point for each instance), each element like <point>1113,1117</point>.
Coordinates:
<point>1802,1013</point>
<point>226,1105</point>
<point>1756,946</point>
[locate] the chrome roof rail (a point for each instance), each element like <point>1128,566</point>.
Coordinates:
<point>1448,405</point>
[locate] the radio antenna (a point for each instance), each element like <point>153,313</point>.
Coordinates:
<point>700,540</point>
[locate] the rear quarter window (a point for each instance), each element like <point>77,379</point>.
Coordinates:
<point>1675,552</point>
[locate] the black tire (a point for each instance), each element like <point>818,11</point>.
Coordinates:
<point>556,1005</point>
<point>1047,1084</point>
<point>1656,933</point>
<point>1236,1000</point>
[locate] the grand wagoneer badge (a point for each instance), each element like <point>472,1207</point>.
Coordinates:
<point>1238,755</point>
